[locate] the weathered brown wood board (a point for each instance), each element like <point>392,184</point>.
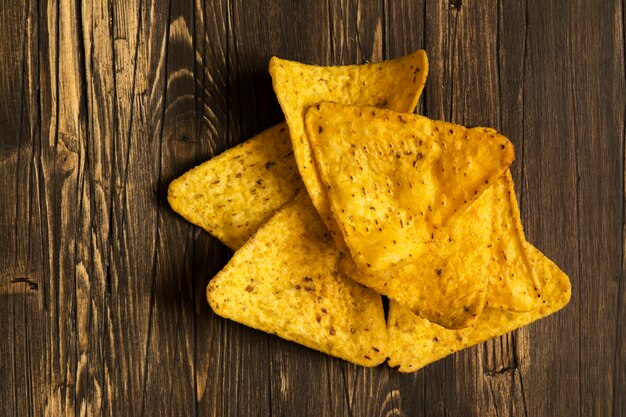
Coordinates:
<point>102,103</point>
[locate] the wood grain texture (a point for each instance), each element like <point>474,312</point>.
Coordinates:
<point>103,102</point>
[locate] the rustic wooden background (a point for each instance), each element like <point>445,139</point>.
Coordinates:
<point>103,102</point>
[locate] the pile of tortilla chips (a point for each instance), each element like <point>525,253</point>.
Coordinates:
<point>353,198</point>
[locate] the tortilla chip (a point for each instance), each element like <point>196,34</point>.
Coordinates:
<point>481,249</point>
<point>233,194</point>
<point>513,284</point>
<point>415,342</point>
<point>395,84</point>
<point>286,281</point>
<point>394,179</point>
<point>448,282</point>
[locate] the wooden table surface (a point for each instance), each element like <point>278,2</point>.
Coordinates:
<point>103,103</point>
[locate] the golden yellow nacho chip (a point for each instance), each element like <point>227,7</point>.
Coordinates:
<point>447,284</point>
<point>394,179</point>
<point>286,281</point>
<point>395,84</point>
<point>233,194</point>
<point>513,285</point>
<point>482,248</point>
<point>415,342</point>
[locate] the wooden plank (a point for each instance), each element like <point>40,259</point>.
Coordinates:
<point>133,330</point>
<point>62,163</point>
<point>63,136</point>
<point>21,255</point>
<point>170,362</point>
<point>93,221</point>
<point>598,99</point>
<point>549,210</point>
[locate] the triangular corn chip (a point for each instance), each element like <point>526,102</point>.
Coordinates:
<point>394,179</point>
<point>415,342</point>
<point>395,84</point>
<point>286,281</point>
<point>447,284</point>
<point>513,284</point>
<point>482,248</point>
<point>233,194</point>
